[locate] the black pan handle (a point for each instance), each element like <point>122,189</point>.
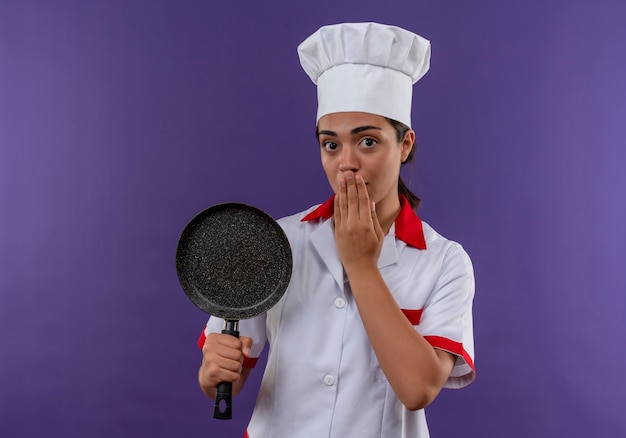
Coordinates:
<point>224,395</point>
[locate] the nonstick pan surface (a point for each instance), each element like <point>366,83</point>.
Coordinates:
<point>233,261</point>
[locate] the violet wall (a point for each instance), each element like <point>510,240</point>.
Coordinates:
<point>119,120</point>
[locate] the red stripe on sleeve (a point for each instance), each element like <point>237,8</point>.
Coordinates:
<point>201,340</point>
<point>451,347</point>
<point>250,362</point>
<point>413,316</point>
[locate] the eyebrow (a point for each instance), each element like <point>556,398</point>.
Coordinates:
<point>353,132</point>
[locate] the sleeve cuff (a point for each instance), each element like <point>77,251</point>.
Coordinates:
<point>464,371</point>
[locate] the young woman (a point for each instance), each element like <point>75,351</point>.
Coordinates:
<point>377,317</point>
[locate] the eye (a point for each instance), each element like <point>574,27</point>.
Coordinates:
<point>368,142</point>
<point>330,145</point>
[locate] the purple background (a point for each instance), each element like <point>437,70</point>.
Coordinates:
<point>119,120</point>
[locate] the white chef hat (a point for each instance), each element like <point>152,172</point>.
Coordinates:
<point>365,67</point>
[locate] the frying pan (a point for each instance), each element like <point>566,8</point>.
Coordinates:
<point>233,261</point>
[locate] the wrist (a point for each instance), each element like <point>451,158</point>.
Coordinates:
<point>364,271</point>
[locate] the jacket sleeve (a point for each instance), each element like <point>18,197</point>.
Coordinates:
<point>446,321</point>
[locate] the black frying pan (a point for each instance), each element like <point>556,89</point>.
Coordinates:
<point>234,262</point>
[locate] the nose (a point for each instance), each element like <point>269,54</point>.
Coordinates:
<point>349,160</point>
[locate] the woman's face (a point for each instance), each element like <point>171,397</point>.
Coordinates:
<point>365,144</point>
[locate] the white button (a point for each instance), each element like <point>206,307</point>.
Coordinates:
<point>329,380</point>
<point>340,303</point>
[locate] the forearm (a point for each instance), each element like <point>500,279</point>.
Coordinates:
<point>414,369</point>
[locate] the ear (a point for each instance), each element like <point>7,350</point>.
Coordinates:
<point>407,144</point>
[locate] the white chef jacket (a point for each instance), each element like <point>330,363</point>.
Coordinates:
<point>322,377</point>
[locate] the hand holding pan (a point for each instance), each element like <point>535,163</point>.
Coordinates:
<point>234,262</point>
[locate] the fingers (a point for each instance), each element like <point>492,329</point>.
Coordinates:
<point>337,214</point>
<point>377,228</point>
<point>352,197</point>
<point>363,199</point>
<point>246,344</point>
<point>358,233</point>
<point>222,359</point>
<point>352,201</point>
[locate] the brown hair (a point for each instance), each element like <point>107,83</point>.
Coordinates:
<point>403,189</point>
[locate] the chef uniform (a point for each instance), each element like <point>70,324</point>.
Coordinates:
<point>322,377</point>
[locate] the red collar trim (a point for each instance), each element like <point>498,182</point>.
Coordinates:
<point>408,224</point>
<point>324,211</point>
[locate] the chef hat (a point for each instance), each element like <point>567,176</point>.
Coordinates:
<point>365,67</point>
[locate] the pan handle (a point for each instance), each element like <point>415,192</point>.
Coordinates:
<point>224,395</point>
